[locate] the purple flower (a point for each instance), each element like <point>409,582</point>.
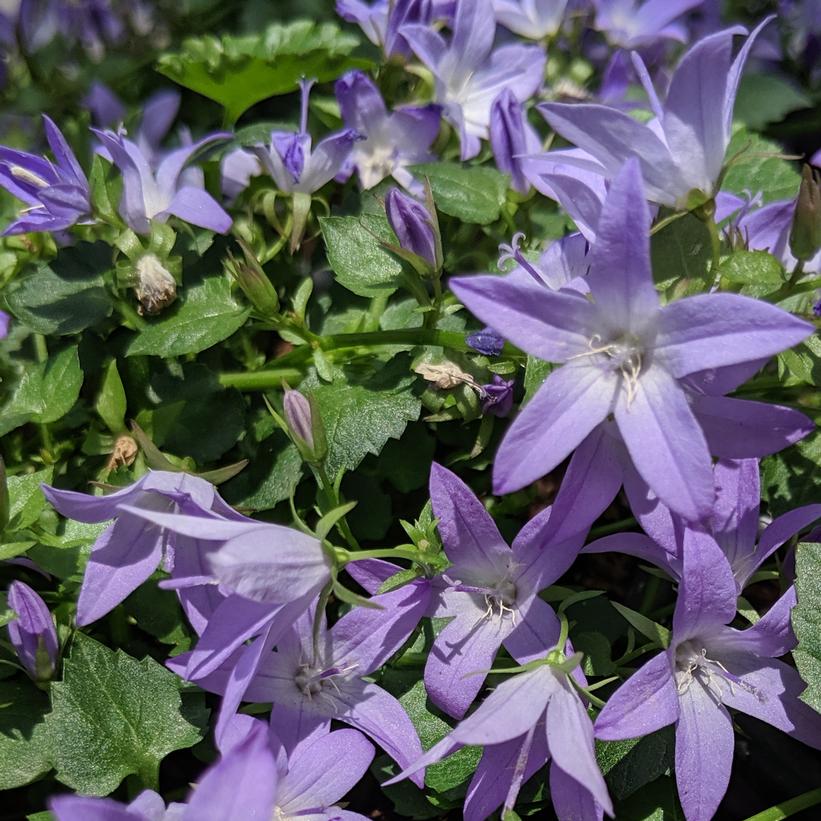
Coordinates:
<point>32,633</point>
<point>56,193</point>
<point>299,416</point>
<point>470,75</point>
<point>630,25</point>
<point>624,355</point>
<point>708,668</point>
<point>168,191</point>
<point>414,226</point>
<point>527,720</point>
<point>147,806</point>
<point>733,525</point>
<point>497,397</point>
<point>237,169</point>
<point>390,141</point>
<point>131,549</point>
<point>311,682</point>
<point>681,151</point>
<point>492,591</point>
<point>106,108</point>
<point>5,322</point>
<point>512,138</point>
<point>533,19</point>
<point>295,166</point>
<point>486,341</point>
<point>564,264</point>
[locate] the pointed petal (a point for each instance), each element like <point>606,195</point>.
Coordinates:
<point>296,726</point>
<point>712,330</point>
<point>569,405</point>
<point>494,773</point>
<point>741,428</point>
<point>198,207</point>
<point>472,36</point>
<point>170,172</point>
<point>570,742</point>
<point>704,753</point>
<point>62,152</point>
<point>159,114</point>
<point>666,443</point>
<point>428,44</point>
<point>620,277</point>
<point>470,536</point>
<point>83,507</point>
<point>734,522</point>
<point>324,770</point>
<point>548,324</point>
<point>781,530</point>
<point>360,102</point>
<point>123,557</point>
<point>571,800</point>
<point>326,160</point>
<point>646,702</point>
<point>612,138</point>
<point>590,484</point>
<point>371,573</point>
<point>379,715</point>
<point>707,593</point>
<point>537,561</point>
<point>638,545</point>
<point>536,632</point>
<point>82,808</point>
<point>460,658</point>
<point>656,519</point>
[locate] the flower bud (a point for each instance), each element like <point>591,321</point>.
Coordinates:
<point>5,321</point>
<point>413,226</point>
<point>156,288</point>
<point>486,341</point>
<point>497,397</point>
<point>805,235</point>
<point>511,138</point>
<point>32,633</point>
<point>254,283</point>
<point>305,426</point>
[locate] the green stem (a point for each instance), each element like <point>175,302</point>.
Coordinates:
<point>787,808</point>
<point>615,527</point>
<point>715,245</point>
<point>383,553</point>
<point>334,501</point>
<point>662,224</point>
<point>260,380</point>
<point>651,590</point>
<point>41,352</point>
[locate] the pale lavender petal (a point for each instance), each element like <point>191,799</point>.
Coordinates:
<point>469,534</point>
<point>63,153</point>
<point>360,102</point>
<point>461,656</point>
<point>734,522</point>
<point>655,518</point>
<point>707,593</point>
<point>372,573</point>
<point>781,530</point>
<point>666,443</point>
<point>638,545</point>
<point>159,113</point>
<point>539,559</point>
<point>326,160</point>
<point>297,726</point>
<point>170,172</point>
<point>620,278</point>
<point>82,808</point>
<point>379,715</point>
<point>569,405</point>
<point>241,785</point>
<point>551,325</point>
<point>646,702</point>
<point>428,44</point>
<point>472,37</point>
<point>123,557</point>
<point>571,800</point>
<point>198,207</point>
<point>741,428</point>
<point>704,752</point>
<point>712,330</point>
<point>83,507</point>
<point>536,632</point>
<point>323,771</point>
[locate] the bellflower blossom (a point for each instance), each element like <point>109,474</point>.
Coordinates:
<point>131,549</point>
<point>470,74</point>
<point>733,524</point>
<point>681,151</point>
<point>623,355</point>
<point>533,19</point>
<point>628,24</point>
<point>56,193</point>
<point>32,632</point>
<point>415,227</point>
<point>708,668</point>
<point>311,682</point>
<point>155,195</point>
<point>529,719</point>
<point>390,141</point>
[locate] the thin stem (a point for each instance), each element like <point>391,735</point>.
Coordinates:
<point>651,590</point>
<point>787,808</point>
<point>334,501</point>
<point>384,553</point>
<point>715,245</point>
<point>319,617</point>
<point>662,224</point>
<point>41,352</point>
<point>614,527</point>
<point>260,380</point>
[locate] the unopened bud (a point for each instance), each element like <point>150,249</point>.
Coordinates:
<point>254,283</point>
<point>156,288</point>
<point>32,633</point>
<point>413,225</point>
<point>512,138</point>
<point>305,425</point>
<point>805,235</point>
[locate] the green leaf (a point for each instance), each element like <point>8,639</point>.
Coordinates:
<point>158,612</point>
<point>680,256</point>
<point>472,194</point>
<point>647,627</point>
<point>361,412</point>
<point>631,764</point>
<point>357,259</point>
<point>26,500</point>
<point>801,364</point>
<point>758,272</point>
<point>767,98</point>
<point>111,403</point>
<point>25,753</point>
<point>238,72</point>
<point>114,716</point>
<point>758,169</point>
<point>536,371</point>
<point>65,296</point>
<point>806,620</point>
<point>792,477</point>
<point>45,393</point>
<point>205,314</point>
